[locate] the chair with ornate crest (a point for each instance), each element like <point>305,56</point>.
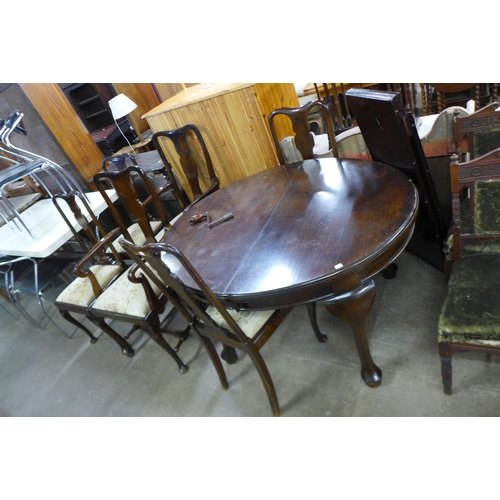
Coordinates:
<point>470,315</point>
<point>304,145</point>
<point>247,331</point>
<point>477,133</point>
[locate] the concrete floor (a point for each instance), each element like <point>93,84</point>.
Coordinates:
<point>43,373</point>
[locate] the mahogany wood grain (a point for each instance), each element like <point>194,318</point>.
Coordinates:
<point>303,232</point>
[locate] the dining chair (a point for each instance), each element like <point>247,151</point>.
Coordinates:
<point>470,314</point>
<point>143,217</point>
<point>159,178</point>
<point>301,146</point>
<point>245,331</point>
<point>118,162</point>
<point>100,265</point>
<point>194,160</point>
<point>134,299</point>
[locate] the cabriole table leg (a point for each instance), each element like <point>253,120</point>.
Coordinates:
<point>353,308</point>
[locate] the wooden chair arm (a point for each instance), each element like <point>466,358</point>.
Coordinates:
<point>82,268</point>
<point>136,275</point>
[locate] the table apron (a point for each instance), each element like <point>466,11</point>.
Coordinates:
<point>345,281</point>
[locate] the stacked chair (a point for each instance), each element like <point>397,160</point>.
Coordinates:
<point>25,275</point>
<point>27,164</point>
<point>106,287</point>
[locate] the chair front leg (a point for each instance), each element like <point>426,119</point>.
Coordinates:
<point>445,355</point>
<point>311,309</point>
<point>126,347</point>
<point>70,319</point>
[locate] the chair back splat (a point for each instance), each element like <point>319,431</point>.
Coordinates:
<point>304,141</point>
<point>145,215</point>
<point>194,160</point>
<point>206,314</point>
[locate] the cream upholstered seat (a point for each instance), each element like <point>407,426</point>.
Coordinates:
<point>135,299</point>
<point>81,293</point>
<point>247,331</point>
<point>125,298</point>
<point>249,321</point>
<point>101,264</point>
<point>138,237</point>
<point>90,282</point>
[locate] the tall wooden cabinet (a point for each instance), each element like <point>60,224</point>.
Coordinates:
<point>232,118</point>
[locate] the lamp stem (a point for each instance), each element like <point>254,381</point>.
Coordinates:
<point>119,128</point>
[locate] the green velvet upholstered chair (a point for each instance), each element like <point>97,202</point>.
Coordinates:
<point>470,316</point>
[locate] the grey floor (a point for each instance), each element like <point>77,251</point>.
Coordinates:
<point>43,373</point>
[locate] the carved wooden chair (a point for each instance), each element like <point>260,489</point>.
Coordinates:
<point>477,133</point>
<point>470,314</point>
<point>302,145</point>
<point>144,217</point>
<point>246,331</point>
<point>195,162</point>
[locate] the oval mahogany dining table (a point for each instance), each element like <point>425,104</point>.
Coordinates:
<point>314,230</point>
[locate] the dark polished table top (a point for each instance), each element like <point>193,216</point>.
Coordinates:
<point>301,232</point>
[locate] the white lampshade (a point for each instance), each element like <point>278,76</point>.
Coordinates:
<point>121,105</point>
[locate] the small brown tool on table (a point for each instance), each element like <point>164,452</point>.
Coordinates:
<point>206,216</point>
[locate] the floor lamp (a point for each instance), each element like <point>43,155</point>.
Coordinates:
<point>121,106</point>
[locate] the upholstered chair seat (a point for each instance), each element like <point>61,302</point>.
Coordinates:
<point>126,298</point>
<point>81,293</point>
<point>137,235</point>
<point>135,299</point>
<point>249,321</point>
<point>471,311</point>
